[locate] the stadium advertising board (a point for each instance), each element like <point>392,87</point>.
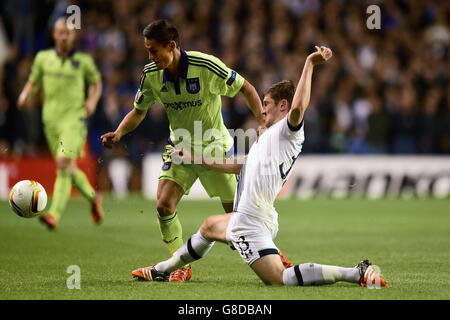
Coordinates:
<point>372,177</point>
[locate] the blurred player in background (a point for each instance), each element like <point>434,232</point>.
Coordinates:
<point>62,72</point>
<point>253,225</point>
<point>189,85</point>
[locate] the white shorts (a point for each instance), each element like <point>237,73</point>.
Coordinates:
<point>251,237</point>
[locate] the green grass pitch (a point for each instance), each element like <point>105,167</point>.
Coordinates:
<point>408,240</point>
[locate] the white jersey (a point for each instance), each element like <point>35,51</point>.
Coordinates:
<point>266,169</point>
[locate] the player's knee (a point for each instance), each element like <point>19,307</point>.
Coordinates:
<point>164,208</point>
<point>65,164</point>
<point>269,269</point>
<point>206,228</point>
<point>209,228</point>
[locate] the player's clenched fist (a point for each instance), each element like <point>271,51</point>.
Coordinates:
<point>109,139</point>
<point>320,56</point>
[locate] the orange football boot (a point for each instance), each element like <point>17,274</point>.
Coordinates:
<point>150,274</point>
<point>182,274</point>
<point>284,260</point>
<point>369,277</point>
<point>49,220</point>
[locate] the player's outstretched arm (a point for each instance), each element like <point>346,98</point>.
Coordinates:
<point>221,165</point>
<point>25,94</point>
<point>128,124</point>
<point>253,101</point>
<point>303,92</point>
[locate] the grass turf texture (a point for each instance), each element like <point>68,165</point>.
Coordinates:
<point>408,240</point>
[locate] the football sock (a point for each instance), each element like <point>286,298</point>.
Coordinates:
<point>61,193</point>
<point>171,232</point>
<point>81,182</point>
<point>309,274</point>
<point>195,248</point>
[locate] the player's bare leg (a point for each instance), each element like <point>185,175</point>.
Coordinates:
<point>214,228</point>
<point>168,195</point>
<point>269,269</point>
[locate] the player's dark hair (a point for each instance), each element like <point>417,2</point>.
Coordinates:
<point>282,90</point>
<point>162,31</point>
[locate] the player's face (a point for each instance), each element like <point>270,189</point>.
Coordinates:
<point>161,55</point>
<point>63,36</point>
<point>271,110</point>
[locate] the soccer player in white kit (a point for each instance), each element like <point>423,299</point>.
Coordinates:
<point>253,225</point>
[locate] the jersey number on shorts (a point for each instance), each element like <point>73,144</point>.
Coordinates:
<point>244,247</point>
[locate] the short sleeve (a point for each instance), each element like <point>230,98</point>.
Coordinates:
<point>223,80</point>
<point>144,97</point>
<point>291,132</point>
<point>91,72</point>
<point>37,68</point>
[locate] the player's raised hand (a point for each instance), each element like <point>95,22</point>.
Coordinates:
<point>109,139</point>
<point>322,55</point>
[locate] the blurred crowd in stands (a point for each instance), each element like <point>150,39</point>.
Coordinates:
<point>385,91</point>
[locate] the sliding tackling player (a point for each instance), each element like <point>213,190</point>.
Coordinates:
<point>253,224</point>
